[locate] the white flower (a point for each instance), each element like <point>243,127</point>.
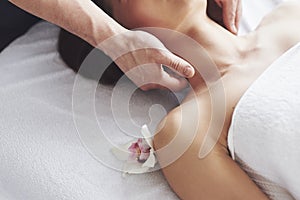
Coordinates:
<point>138,156</point>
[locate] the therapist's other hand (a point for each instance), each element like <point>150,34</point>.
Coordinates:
<point>232,12</point>
<point>142,58</point>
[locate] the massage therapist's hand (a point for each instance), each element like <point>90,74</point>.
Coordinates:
<point>86,20</point>
<point>232,12</point>
<point>142,60</point>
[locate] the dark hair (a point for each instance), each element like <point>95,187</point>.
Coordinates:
<point>73,50</point>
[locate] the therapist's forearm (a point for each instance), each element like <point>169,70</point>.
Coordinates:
<point>81,17</point>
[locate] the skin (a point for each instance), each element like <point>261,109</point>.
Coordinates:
<point>244,59</point>
<point>86,20</point>
<point>232,13</point>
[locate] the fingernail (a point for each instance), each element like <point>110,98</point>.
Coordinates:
<point>234,29</point>
<point>188,71</point>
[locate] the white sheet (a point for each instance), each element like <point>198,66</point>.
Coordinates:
<point>40,152</point>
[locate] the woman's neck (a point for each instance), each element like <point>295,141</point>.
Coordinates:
<point>224,48</point>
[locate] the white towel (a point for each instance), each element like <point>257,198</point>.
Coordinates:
<point>264,136</point>
<point>41,156</point>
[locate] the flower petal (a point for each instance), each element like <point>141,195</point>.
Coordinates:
<point>138,156</point>
<point>134,168</point>
<point>144,147</point>
<point>151,161</point>
<point>133,147</point>
<point>144,156</point>
<point>147,135</point>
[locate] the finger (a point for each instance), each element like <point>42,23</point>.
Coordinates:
<point>219,3</point>
<point>172,83</point>
<point>169,82</point>
<point>177,64</point>
<point>239,12</point>
<point>152,86</point>
<point>229,15</point>
<point>148,87</point>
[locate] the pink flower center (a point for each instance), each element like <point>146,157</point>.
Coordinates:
<point>140,150</point>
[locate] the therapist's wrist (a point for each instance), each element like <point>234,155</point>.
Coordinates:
<point>106,32</point>
<point>117,43</point>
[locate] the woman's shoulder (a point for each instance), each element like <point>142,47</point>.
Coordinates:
<point>282,24</point>
<point>189,122</point>
<point>287,10</point>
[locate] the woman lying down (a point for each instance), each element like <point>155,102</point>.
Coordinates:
<point>241,61</point>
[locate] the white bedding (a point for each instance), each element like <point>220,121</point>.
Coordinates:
<point>264,129</point>
<point>40,152</point>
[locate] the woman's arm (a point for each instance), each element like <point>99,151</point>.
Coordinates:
<point>216,177</point>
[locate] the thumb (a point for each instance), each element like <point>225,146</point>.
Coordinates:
<point>229,15</point>
<point>173,83</point>
<point>177,64</point>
